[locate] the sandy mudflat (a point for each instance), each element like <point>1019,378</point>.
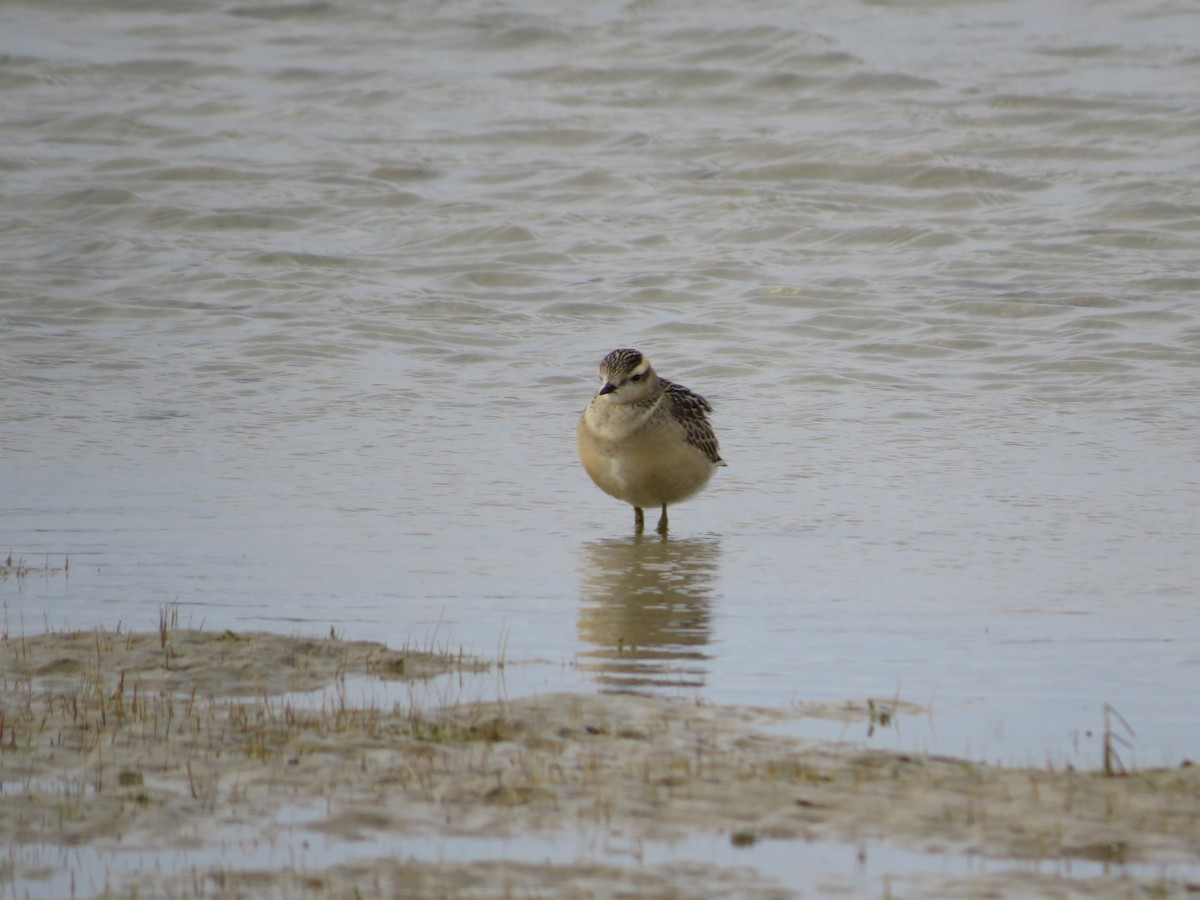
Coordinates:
<point>190,752</point>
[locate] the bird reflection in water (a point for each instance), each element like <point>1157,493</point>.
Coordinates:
<point>646,611</point>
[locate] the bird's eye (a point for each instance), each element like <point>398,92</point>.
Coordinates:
<point>637,377</point>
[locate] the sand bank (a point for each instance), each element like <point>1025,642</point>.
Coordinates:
<point>163,746</point>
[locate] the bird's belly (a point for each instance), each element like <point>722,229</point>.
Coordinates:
<point>652,477</point>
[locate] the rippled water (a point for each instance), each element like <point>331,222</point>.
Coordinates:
<point>300,303</point>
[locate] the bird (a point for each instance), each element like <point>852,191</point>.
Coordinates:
<point>644,439</point>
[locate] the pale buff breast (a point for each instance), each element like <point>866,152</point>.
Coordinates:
<point>647,464</point>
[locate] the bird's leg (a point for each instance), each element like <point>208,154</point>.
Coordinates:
<point>639,520</point>
<point>662,522</point>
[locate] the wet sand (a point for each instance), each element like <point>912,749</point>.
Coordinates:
<point>166,741</point>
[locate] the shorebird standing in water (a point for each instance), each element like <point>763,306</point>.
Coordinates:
<point>644,439</point>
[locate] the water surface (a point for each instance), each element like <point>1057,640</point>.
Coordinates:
<point>300,303</point>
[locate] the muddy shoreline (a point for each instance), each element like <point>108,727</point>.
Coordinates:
<point>169,742</point>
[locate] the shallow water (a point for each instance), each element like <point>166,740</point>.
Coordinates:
<point>300,302</point>
<point>808,868</point>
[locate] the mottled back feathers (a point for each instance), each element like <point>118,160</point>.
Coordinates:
<point>691,411</point>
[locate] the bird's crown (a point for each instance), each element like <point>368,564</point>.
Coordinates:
<point>622,363</point>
